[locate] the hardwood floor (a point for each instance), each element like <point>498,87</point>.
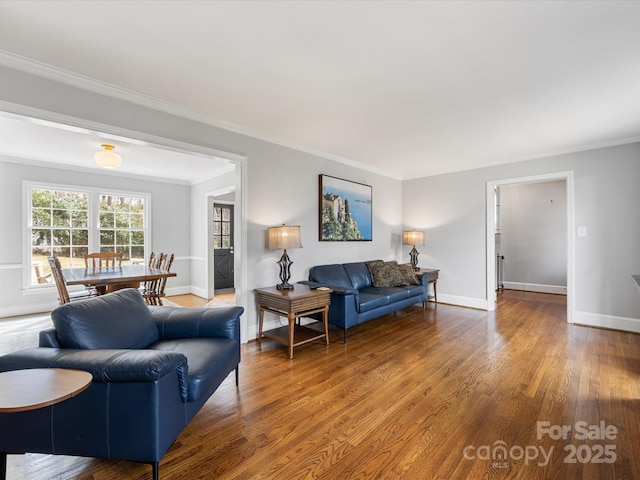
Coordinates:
<point>413,396</point>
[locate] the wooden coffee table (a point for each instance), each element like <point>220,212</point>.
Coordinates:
<point>22,390</point>
<point>292,304</point>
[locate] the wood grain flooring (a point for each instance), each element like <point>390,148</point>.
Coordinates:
<point>454,393</point>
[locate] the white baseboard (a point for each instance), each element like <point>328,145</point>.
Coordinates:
<point>30,309</point>
<point>607,321</point>
<point>535,287</point>
<point>470,302</point>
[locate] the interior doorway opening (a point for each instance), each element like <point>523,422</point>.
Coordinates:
<point>497,257</point>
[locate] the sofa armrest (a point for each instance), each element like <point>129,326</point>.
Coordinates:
<point>106,366</point>
<point>175,322</point>
<point>423,278</point>
<point>336,289</point>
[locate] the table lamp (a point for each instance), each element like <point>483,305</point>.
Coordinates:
<point>412,237</point>
<point>284,237</point>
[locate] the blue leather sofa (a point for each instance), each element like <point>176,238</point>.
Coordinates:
<point>355,298</point>
<point>153,368</point>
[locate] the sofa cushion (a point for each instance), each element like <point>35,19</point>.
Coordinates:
<point>208,361</point>
<point>370,300</point>
<point>116,320</point>
<point>334,274</point>
<point>408,274</point>
<point>385,274</point>
<point>391,294</point>
<point>359,274</point>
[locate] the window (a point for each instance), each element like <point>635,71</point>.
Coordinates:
<point>60,227</point>
<point>60,223</point>
<point>221,226</point>
<point>121,226</point>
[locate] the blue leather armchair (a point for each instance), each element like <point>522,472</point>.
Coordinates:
<point>355,298</point>
<point>153,368</point>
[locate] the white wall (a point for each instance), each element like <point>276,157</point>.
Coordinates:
<point>533,224</point>
<point>279,184</point>
<point>452,210</point>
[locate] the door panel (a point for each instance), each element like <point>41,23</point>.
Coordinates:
<point>223,261</point>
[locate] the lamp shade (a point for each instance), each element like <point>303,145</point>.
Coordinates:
<point>412,237</point>
<point>107,158</point>
<point>283,237</point>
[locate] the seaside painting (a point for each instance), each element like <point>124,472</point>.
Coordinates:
<point>345,210</point>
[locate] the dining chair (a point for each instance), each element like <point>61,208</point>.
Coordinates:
<point>64,296</point>
<point>153,290</point>
<point>103,259</point>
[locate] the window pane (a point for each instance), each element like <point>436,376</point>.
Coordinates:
<point>217,228</point>
<point>123,237</point>
<point>226,241</point>
<point>61,218</point>
<point>137,221</point>
<point>106,220</point>
<point>41,217</point>
<point>41,198</point>
<point>217,215</point>
<point>122,220</point>
<point>61,237</point>
<point>80,218</point>
<point>137,253</point>
<point>107,237</point>
<point>79,237</point>
<point>226,230</point>
<point>41,237</point>
<point>226,214</point>
<point>79,253</point>
<point>137,238</point>
<point>217,242</point>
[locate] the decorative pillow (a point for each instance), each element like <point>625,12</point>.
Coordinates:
<point>116,320</point>
<point>408,274</point>
<point>386,274</point>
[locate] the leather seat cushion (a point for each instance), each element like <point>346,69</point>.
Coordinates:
<point>369,301</point>
<point>392,294</point>
<point>209,361</point>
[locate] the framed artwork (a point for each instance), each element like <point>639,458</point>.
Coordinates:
<point>345,210</point>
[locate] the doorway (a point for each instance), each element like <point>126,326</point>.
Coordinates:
<point>493,224</point>
<point>223,248</point>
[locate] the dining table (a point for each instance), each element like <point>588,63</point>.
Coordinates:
<point>114,276</point>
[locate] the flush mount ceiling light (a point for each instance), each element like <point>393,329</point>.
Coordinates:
<point>107,158</point>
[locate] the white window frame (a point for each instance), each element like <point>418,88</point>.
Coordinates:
<point>94,216</point>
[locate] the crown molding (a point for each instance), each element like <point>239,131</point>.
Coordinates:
<point>60,75</point>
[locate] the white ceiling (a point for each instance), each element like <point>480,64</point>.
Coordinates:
<point>404,88</point>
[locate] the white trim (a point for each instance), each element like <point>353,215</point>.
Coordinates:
<point>469,302</point>
<point>535,287</point>
<point>10,266</point>
<point>607,321</point>
<point>93,171</point>
<point>567,176</point>
<point>85,83</point>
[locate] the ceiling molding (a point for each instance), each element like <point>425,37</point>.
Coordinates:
<point>44,70</point>
<point>91,171</point>
<point>547,154</point>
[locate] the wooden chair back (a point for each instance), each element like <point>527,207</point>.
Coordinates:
<point>103,259</point>
<point>163,281</point>
<point>58,278</point>
<point>154,289</point>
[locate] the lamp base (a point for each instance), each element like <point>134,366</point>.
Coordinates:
<point>284,286</point>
